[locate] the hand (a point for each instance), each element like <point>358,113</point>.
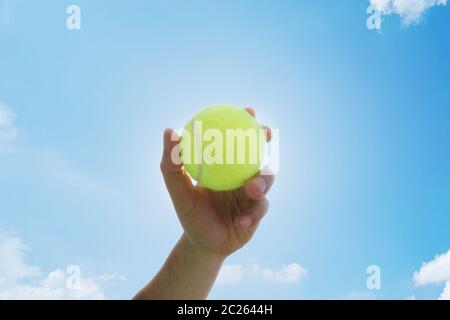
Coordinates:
<point>216,223</point>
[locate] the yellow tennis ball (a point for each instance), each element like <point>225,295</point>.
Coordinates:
<point>222,147</point>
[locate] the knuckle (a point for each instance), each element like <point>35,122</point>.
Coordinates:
<point>163,166</point>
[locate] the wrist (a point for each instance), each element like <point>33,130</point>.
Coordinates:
<point>199,253</point>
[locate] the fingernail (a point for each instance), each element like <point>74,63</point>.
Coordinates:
<point>245,222</point>
<point>260,184</point>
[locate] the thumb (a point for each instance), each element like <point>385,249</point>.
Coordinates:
<point>177,181</point>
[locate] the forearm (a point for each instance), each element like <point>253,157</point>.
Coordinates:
<point>187,274</point>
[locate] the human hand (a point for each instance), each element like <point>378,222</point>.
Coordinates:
<point>214,223</point>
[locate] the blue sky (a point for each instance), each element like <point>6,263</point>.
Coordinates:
<point>364,125</point>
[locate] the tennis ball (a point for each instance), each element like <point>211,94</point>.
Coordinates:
<point>222,147</point>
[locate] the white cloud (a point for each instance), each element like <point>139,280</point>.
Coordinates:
<point>411,11</point>
<point>231,275</point>
<point>12,260</point>
<point>53,287</point>
<point>445,295</point>
<point>8,131</point>
<point>236,274</point>
<point>435,272</point>
<point>19,280</point>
